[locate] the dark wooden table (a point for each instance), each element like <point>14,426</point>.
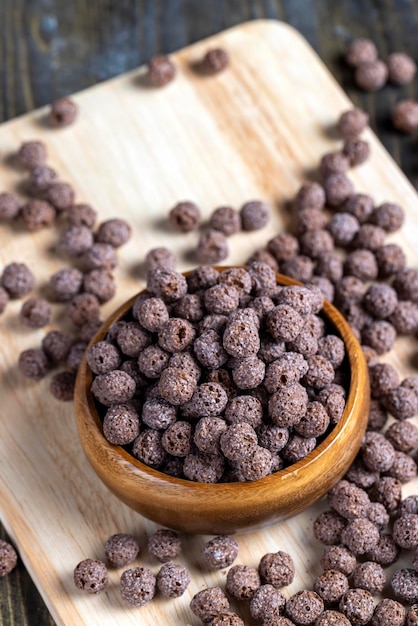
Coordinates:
<point>54,48</point>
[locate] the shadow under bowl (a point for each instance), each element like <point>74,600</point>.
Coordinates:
<point>223,508</point>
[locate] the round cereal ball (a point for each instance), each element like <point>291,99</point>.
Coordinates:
<point>242,581</point>
<point>160,258</point>
<point>35,313</point>
<point>184,216</point>
<point>390,259</point>
<point>201,278</point>
<point>338,187</point>
<point>176,385</point>
<point>33,363</point>
<point>62,386</point>
<point>377,452</point>
<point>164,545</point>
<point>220,552</point>
<point>405,283</point>
<point>361,264</point>
<point>148,448</point>
<point>360,535</point>
<point>101,256</point>
<point>40,179</point>
<point>254,215</point>
<point>226,220</point>
<point>75,240</point>
<point>168,285</point>
<point>371,76</point>
<point>389,613</point>
<point>137,586</point>
<point>204,468</point>
<point>288,405</point>
<point>339,558</point>
<point>91,576</point>
<point>331,585</point>
<point>356,151</point>
<point>284,323</point>
<point>161,71</point>
<point>352,122</point>
<point>81,215</point>
<point>277,569</point>
<point>121,424</point>
<point>256,465</point>
<point>37,214</point>
<point>327,528</point>
<point>389,216</point>
<point>17,279</point>
<point>267,603</point>
<point>404,585</point>
<point>208,603</point>
<point>212,247</point>
<point>65,284</point>
<point>113,387</point>
<point>114,232</point>
<point>226,618</point>
<point>387,491</point>
<point>412,618</point>
<point>8,558</point>
<point>310,195</point>
<point>379,335</point>
<point>333,162</point>
<point>121,549</point>
<point>61,196</point>
<point>369,576</point>
<point>348,500</point>
<point>304,607</point>
<point>403,436</point>
<point>357,605</point>
<point>401,68</point>
<point>405,116</point>
<point>401,402</point>
<point>9,206</point>
<point>359,51</point>
<point>380,300</point>
<point>343,228</point>
<point>32,154</point>
<point>103,357</point>
<point>57,344</point>
<point>172,580</point>
<point>405,531</point>
<point>175,335</point>
<point>207,434</point>
<point>63,112</point>
<point>238,440</point>
<point>332,618</point>
<point>248,373</point>
<point>84,308</point>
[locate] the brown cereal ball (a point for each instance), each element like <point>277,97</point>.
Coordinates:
<point>184,217</point>
<point>331,585</point>
<point>121,424</point>
<point>338,187</point>
<point>89,329</point>
<point>236,277</point>
<point>360,205</point>
<point>263,256</point>
<point>137,586</point>
<point>207,434</point>
<point>278,621</point>
<point>357,605</point>
<point>370,237</point>
<point>208,400</point>
<point>371,359</point>
<point>208,603</point>
<point>385,552</point>
<point>62,386</point>
<point>91,576</point>
<point>40,179</point>
<point>177,439</point>
<point>31,154</point>
<point>323,289</point>
<point>226,220</point>
<point>37,214</point>
<point>320,371</point>
<point>65,284</point>
<point>359,51</point>
<point>215,61</point>
<point>204,468</point>
<point>220,552</point>
<point>401,402</point>
<point>189,307</point>
<point>362,264</point>
<point>17,280</point>
<point>255,465</point>
<point>226,618</point>
<point>377,452</point>
<point>101,283</point>
<point>164,545</point>
<point>113,388</point>
<point>288,405</point>
<point>121,549</point>
<point>114,232</point>
<point>201,278</point>
<point>172,580</point>
<point>175,335</point>
<point>83,308</point>
<point>277,569</point>
<point>35,313</point>
<point>248,373</point>
<point>405,116</point>
<point>329,265</point>
<point>33,363</point>
<point>148,448</point>
<point>387,491</point>
<point>362,478</point>
<point>343,228</point>
<point>401,68</point>
<point>161,71</point>
<point>81,215</point>
<point>328,526</point>
<point>212,247</point>
<point>405,531</point>
<point>333,162</point>
<point>176,385</point>
<point>371,76</point>
<point>309,219</point>
<point>313,243</point>
<point>9,206</point>
<point>168,285</point>
<point>369,576</point>
<point>299,267</point>
<point>241,339</point>
<point>152,314</point>
<point>332,348</point>
<point>75,355</point>
<point>242,581</point>
<point>254,215</point>
<point>238,440</point>
<point>405,283</point>
<point>100,256</point>
<point>356,150</point>
<point>304,607</point>
<point>380,300</point>
<point>310,195</point>
<point>383,378</point>
<point>379,335</point>
<point>158,414</point>
<point>349,289</point>
<point>63,112</point>
<point>284,371</point>
<point>245,408</point>
<point>352,123</point>
<point>405,317</point>
<point>283,246</point>
<point>8,558</point>
<point>262,277</point>
<point>348,500</point>
<point>389,613</point>
<point>209,349</point>
<point>267,603</point>
<point>56,344</point>
<point>403,436</point>
<point>315,422</point>
<point>221,299</point>
<point>160,258</point>
<point>284,323</point>
<point>332,618</point>
<point>298,447</point>
<point>75,240</point>
<point>61,196</point>
<point>404,585</point>
<point>389,216</point>
<point>338,558</point>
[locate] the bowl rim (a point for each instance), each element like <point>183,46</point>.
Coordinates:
<point>357,368</point>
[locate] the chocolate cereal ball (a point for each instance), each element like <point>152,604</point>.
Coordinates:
<point>172,580</point>
<point>152,314</point>
<point>65,284</point>
<point>311,195</point>
<point>63,112</point>
<point>389,216</point>
<point>387,491</point>
<point>327,528</point>
<point>226,618</point>
<point>56,344</point>
<point>83,308</point>
<point>352,123</point>
<point>304,607</point>
<point>8,558</point>
<point>168,285</point>
<point>40,179</point>
<point>121,549</point>
<point>17,279</point>
<point>220,552</point>
<point>91,576</point>
<point>405,116</point>
<point>161,71</point>
<point>242,581</point>
<point>62,386</point>
<point>343,228</point>
<point>377,452</point>
<point>254,215</point>
<point>215,60</point>
<point>137,586</point>
<point>371,76</point>
<point>31,154</point>
<point>357,605</point>
<point>331,585</point>
<point>403,436</point>
<point>164,545</point>
<point>338,558</point>
<point>226,220</point>
<point>412,618</point>
<point>390,260</point>
<point>379,335</point>
<point>37,214</point>
<point>33,363</point>
<point>148,448</point>
<point>332,618</point>
<point>277,569</point>
<point>121,424</point>
<point>184,216</point>
<point>35,313</point>
<point>100,256</point>
<point>114,232</point>
<point>160,258</point>
<point>9,206</point>
<point>405,531</point>
<point>75,240</point>
<point>369,576</point>
<point>404,585</point>
<point>61,196</point>
<point>204,468</point>
<point>356,150</point>
<point>113,387</point>
<point>360,535</point>
<point>212,247</point>
<point>389,613</point>
<point>338,187</point>
<point>267,603</point>
<point>81,215</point>
<point>359,51</point>
<point>401,68</point>
<point>208,603</point>
<point>405,283</point>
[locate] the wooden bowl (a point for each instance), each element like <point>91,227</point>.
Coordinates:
<point>227,507</point>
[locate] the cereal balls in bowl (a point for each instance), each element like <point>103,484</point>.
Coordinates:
<point>223,399</point>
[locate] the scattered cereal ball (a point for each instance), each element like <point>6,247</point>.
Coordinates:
<point>220,552</point>
<point>377,452</point>
<point>226,618</point>
<point>405,531</point>
<point>62,386</point>
<point>121,424</point>
<point>242,581</point>
<point>37,214</point>
<point>405,116</point>
<point>360,535</point>
<point>75,240</point>
<point>383,378</point>
<point>208,603</point>
<point>17,279</point>
<point>254,215</point>
<point>63,112</point>
<point>65,284</point>
<point>352,123</point>
<point>389,216</point>
<point>81,215</point>
<point>267,603</point>
<point>338,187</point>
<point>9,206</point>
<point>360,51</point>
<point>379,335</point>
<point>35,313</point>
<point>161,71</point>
<point>113,388</point>
<point>137,586</point>
<point>83,308</point>
<point>371,76</point>
<point>215,61</point>
<point>184,216</point>
<point>385,551</point>
<point>100,256</point>
<point>168,285</point>
<point>160,258</point>
<point>390,260</point>
<point>401,402</point>
<point>331,585</point>
<point>225,219</point>
<point>343,228</point>
<point>172,580</point>
<point>277,569</point>
<point>403,436</point>
<point>164,545</point>
<point>333,162</point>
<point>76,354</point>
<point>121,549</point>
<point>357,605</point>
<point>405,317</point>
<point>61,196</point>
<point>348,500</point>
<point>304,607</point>
<point>369,576</point>
<point>332,618</point>
<point>356,150</point>
<point>33,363</point>
<point>389,613</point>
<point>338,558</point>
<point>404,584</point>
<point>299,267</point>
<point>405,283</point>
<point>401,68</point>
<point>115,232</point>
<point>90,576</point>
<point>327,528</point>
<point>212,247</point>
<point>8,558</point>
<point>310,195</point>
<point>361,264</point>
<point>40,179</point>
<point>31,154</point>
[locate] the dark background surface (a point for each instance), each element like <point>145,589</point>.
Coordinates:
<point>51,48</point>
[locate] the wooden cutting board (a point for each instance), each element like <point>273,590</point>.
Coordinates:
<point>254,131</point>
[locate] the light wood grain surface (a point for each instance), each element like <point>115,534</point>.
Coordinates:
<point>254,131</point>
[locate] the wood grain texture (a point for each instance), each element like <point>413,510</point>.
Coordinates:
<point>51,502</point>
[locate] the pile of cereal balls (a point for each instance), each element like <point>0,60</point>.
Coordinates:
<point>220,375</point>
